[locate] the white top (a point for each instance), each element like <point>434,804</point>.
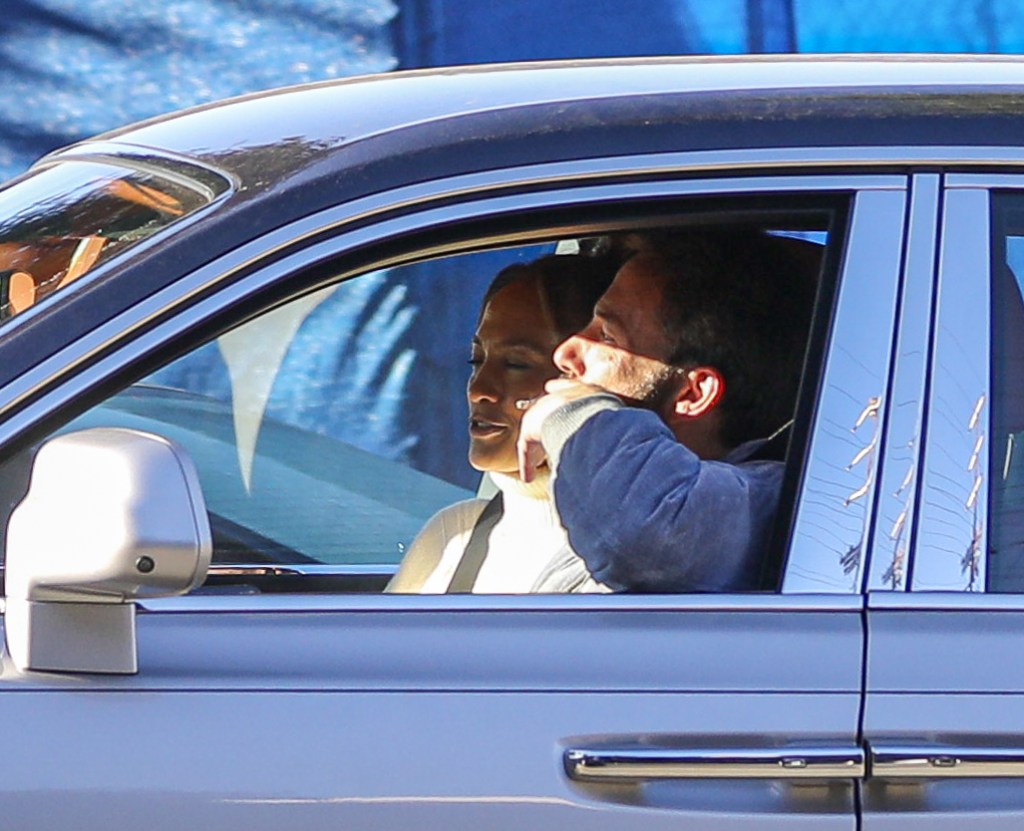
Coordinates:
<point>521,543</point>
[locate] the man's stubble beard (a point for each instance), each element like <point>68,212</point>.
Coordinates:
<point>657,391</point>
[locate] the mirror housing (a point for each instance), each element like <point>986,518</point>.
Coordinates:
<point>110,515</point>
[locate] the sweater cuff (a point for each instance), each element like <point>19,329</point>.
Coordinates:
<point>563,423</point>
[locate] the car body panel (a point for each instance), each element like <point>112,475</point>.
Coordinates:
<point>942,676</point>
<point>393,716</point>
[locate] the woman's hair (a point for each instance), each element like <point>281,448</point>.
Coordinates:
<point>569,284</point>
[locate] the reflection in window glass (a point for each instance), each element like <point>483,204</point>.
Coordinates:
<point>65,220</point>
<point>951,529</point>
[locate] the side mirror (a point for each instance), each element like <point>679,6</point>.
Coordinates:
<point>110,515</point>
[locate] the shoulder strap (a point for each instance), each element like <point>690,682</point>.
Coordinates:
<point>476,549</point>
<point>775,447</point>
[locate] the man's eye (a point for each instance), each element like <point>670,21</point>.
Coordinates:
<point>606,338</point>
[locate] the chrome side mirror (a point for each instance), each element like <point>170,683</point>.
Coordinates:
<point>110,515</point>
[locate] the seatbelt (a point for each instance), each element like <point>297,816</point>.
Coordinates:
<point>476,549</point>
<point>775,447</point>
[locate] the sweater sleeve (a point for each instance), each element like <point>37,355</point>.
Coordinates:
<point>645,513</point>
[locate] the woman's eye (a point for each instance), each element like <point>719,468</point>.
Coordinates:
<point>518,365</point>
<point>606,338</point>
<point>475,360</point>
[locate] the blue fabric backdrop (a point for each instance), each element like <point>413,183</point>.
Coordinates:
<point>70,69</point>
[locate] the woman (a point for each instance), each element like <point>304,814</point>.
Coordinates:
<point>502,546</point>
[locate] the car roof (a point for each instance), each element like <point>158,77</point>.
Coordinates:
<point>459,119</point>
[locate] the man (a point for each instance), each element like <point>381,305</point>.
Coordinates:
<point>691,362</point>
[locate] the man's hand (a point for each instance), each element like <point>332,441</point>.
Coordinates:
<point>559,391</point>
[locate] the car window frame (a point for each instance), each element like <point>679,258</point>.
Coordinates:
<point>968,216</point>
<point>970,211</point>
<point>962,302</point>
<point>839,488</point>
<point>890,548</point>
<point>263,283</point>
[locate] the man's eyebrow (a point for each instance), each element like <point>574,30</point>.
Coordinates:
<point>608,316</point>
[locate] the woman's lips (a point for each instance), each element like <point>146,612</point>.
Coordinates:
<point>482,428</point>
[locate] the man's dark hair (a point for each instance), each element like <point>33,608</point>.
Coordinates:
<point>740,300</point>
<point>570,284</point>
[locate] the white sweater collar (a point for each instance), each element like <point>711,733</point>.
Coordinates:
<point>539,488</point>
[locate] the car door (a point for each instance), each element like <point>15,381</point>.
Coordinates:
<point>317,709</point>
<point>942,716</point>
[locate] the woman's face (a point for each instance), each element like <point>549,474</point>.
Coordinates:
<point>511,360</point>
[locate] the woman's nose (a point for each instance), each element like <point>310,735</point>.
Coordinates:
<point>481,386</point>
<point>569,357</point>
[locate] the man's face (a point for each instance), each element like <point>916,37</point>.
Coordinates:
<point>624,348</point>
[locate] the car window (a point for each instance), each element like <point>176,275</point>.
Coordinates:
<point>1006,467</point>
<point>65,220</point>
<point>329,429</point>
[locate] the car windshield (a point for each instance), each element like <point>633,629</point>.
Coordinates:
<point>63,221</point>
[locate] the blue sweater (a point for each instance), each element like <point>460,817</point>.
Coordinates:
<point>645,514</point>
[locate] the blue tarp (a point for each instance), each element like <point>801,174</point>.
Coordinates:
<point>70,69</point>
<point>73,68</point>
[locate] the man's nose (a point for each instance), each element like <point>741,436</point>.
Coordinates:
<point>569,357</point>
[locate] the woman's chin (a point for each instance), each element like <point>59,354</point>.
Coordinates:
<point>489,463</point>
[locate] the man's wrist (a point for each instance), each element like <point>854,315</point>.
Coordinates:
<point>558,427</point>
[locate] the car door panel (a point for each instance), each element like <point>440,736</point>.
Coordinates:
<point>448,718</point>
<point>945,682</point>
<point>944,672</point>
<point>261,760</point>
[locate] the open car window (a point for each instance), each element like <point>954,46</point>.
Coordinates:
<point>329,429</point>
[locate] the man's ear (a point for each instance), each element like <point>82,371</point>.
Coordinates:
<point>700,393</point>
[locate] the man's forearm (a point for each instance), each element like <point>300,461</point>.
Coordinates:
<point>644,512</point>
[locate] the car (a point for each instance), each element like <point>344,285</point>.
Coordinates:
<point>233,348</point>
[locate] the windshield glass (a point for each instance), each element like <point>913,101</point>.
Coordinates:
<point>62,222</point>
